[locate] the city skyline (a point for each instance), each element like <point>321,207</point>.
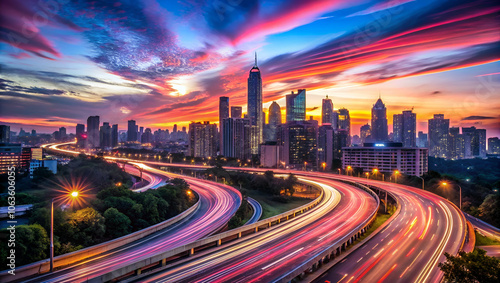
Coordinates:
<point>159,89</point>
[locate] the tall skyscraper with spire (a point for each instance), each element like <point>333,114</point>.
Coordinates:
<point>379,121</point>
<point>326,111</point>
<point>255,106</point>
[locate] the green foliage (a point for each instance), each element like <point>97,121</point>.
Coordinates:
<point>241,216</point>
<point>21,198</point>
<point>41,174</point>
<point>88,225</point>
<point>31,244</point>
<point>490,209</point>
<point>117,223</point>
<point>475,266</point>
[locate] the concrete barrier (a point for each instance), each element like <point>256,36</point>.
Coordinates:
<point>43,266</point>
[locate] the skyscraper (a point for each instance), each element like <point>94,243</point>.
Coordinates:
<point>476,141</point>
<point>438,136</point>
<point>93,131</point>
<point>202,139</point>
<point>379,121</point>
<point>80,135</point>
<point>236,138</point>
<point>223,114</point>
<point>62,133</point>
<point>422,140</point>
<point>274,122</point>
<point>365,133</point>
<point>139,136</point>
<point>114,135</point>
<point>344,123</point>
<point>301,143</point>
<point>236,111</point>
<point>494,146</point>
<point>325,146</point>
<point>131,131</point>
<point>255,106</point>
<point>296,106</point>
<point>4,134</point>
<point>455,143</point>
<point>105,135</point>
<point>326,111</point>
<point>405,128</point>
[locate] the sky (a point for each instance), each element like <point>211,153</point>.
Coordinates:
<point>168,62</point>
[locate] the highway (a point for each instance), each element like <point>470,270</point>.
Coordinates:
<point>266,256</point>
<point>491,250</point>
<point>484,228</point>
<point>257,210</point>
<point>217,205</point>
<point>154,180</point>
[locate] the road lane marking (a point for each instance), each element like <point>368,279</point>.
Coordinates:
<point>267,266</point>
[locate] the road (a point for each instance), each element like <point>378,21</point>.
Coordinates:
<point>257,210</point>
<point>491,250</point>
<point>484,228</point>
<point>265,256</point>
<point>217,205</point>
<point>154,180</point>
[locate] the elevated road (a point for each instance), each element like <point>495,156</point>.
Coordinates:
<point>275,252</point>
<point>257,210</point>
<point>484,228</point>
<point>217,205</point>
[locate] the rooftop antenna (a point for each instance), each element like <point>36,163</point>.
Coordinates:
<point>379,94</point>
<point>327,96</point>
<point>255,60</point>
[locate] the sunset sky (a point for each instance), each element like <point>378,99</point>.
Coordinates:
<point>167,62</point>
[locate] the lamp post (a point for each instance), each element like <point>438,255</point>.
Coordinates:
<point>396,175</point>
<point>349,168</point>
<point>367,175</point>
<point>340,171</point>
<point>423,182</point>
<point>460,190</point>
<point>324,166</point>
<point>73,194</point>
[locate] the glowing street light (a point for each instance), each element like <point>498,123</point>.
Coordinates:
<point>349,168</point>
<point>396,173</point>
<point>367,175</point>
<point>445,184</point>
<point>324,165</point>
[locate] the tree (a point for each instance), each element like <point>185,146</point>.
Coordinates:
<point>32,244</point>
<point>117,223</point>
<point>88,225</point>
<point>42,173</point>
<point>490,209</point>
<point>471,267</point>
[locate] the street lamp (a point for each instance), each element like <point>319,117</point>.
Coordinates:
<point>367,175</point>
<point>324,165</point>
<point>74,195</point>
<point>396,175</point>
<point>423,182</point>
<point>460,204</point>
<point>340,171</point>
<point>349,168</point>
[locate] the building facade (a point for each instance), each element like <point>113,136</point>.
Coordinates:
<point>236,138</point>
<point>296,106</point>
<point>387,157</point>
<point>325,146</point>
<point>379,121</point>
<point>236,111</point>
<point>254,100</point>
<point>93,132</point>
<point>405,128</point>
<point>202,139</point>
<point>438,131</point>
<point>300,144</point>
<point>326,111</point>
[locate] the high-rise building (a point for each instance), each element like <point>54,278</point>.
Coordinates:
<point>4,134</point>
<point>223,114</point>
<point>345,123</point>
<point>147,136</point>
<point>131,131</point>
<point>236,111</point>
<point>33,133</point>
<point>455,144</point>
<point>105,135</point>
<point>494,146</point>
<point>476,141</point>
<point>335,119</point>
<point>365,133</point>
<point>422,140</point>
<point>255,106</point>
<point>62,133</point>
<point>174,130</point>
<point>114,135</point>
<point>236,138</point>
<point>14,155</point>
<point>326,111</point>
<point>274,122</point>
<point>379,121</point>
<point>93,132</point>
<point>325,146</point>
<point>139,135</point>
<point>438,129</point>
<point>405,128</point>
<point>341,139</point>
<point>202,139</point>
<point>296,106</point>
<point>36,153</point>
<point>300,144</point>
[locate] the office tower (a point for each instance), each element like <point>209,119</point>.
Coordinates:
<point>14,155</point>
<point>93,132</point>
<point>422,140</point>
<point>405,128</point>
<point>255,106</point>
<point>174,130</point>
<point>341,139</point>
<point>62,133</point>
<point>455,145</point>
<point>365,133</point>
<point>236,111</point>
<point>344,123</point>
<point>223,114</point>
<point>335,119</point>
<point>379,121</point>
<point>300,144</point>
<point>184,129</point>
<point>236,138</point>
<point>114,135</point>
<point>438,129</point>
<point>475,141</point>
<point>33,133</point>
<point>325,146</point>
<point>139,137</point>
<point>296,106</point>
<point>80,135</point>
<point>4,134</point>
<point>147,136</point>
<point>105,135</point>
<point>494,146</point>
<point>131,131</point>
<point>36,153</point>
<point>202,139</point>
<point>326,111</point>
<point>274,121</point>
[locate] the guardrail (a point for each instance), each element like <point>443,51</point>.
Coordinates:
<point>159,260</point>
<point>43,266</point>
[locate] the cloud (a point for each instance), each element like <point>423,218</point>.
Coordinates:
<point>436,92</point>
<point>384,5</point>
<point>478,118</point>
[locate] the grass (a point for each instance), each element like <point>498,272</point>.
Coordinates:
<point>485,241</point>
<point>271,208</point>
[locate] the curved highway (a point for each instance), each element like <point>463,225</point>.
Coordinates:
<point>266,256</point>
<point>217,205</point>
<point>257,210</point>
<point>484,228</point>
